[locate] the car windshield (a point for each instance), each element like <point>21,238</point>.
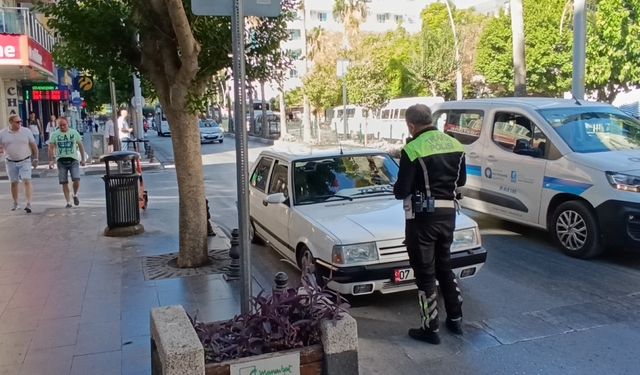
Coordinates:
<point>208,124</point>
<point>343,177</point>
<point>594,129</point>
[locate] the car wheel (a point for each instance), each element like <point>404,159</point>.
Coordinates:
<point>253,236</point>
<point>306,260</point>
<point>575,230</point>
<point>222,140</point>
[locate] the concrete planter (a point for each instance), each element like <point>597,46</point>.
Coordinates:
<point>176,349</point>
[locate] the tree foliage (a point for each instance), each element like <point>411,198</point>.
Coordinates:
<point>322,87</point>
<point>368,85</point>
<point>613,49</point>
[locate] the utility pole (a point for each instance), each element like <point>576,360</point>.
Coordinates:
<point>519,62</point>
<point>579,48</point>
<point>114,113</point>
<point>459,93</point>
<point>137,101</point>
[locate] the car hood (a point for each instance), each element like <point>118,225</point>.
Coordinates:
<point>614,161</point>
<point>210,131</point>
<point>365,219</point>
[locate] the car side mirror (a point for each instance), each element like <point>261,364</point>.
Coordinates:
<point>275,198</point>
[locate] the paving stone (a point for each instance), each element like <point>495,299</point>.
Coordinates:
<point>13,347</point>
<point>98,337</point>
<point>107,363</point>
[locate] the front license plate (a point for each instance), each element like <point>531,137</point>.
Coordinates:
<point>402,275</point>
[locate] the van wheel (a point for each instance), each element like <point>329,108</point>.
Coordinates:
<point>575,229</point>
<point>253,236</point>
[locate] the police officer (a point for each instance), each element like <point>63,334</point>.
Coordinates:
<point>432,166</point>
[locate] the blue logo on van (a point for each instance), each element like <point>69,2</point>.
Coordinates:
<point>514,176</point>
<point>488,173</point>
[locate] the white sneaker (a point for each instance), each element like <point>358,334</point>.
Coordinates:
<point>15,206</point>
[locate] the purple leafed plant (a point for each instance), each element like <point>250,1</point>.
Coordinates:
<point>283,320</point>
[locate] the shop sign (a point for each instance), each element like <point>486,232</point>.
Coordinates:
<point>10,50</point>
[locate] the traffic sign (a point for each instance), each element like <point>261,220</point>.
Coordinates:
<point>77,101</point>
<point>258,8</point>
<point>85,83</point>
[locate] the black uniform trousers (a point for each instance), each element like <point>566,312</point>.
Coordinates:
<point>428,242</point>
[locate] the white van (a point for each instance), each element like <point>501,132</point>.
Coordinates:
<point>356,120</point>
<point>571,167</point>
<point>389,122</point>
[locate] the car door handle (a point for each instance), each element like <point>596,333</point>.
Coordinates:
<point>491,158</point>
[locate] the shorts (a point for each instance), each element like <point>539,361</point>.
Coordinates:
<point>68,166</point>
<point>19,171</point>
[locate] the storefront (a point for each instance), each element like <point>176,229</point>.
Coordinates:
<point>25,64</point>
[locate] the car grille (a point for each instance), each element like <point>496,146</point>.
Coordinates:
<point>633,227</point>
<point>392,250</point>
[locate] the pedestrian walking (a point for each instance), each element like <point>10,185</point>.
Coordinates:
<point>18,146</point>
<point>432,166</point>
<point>124,131</point>
<point>52,126</point>
<point>36,128</point>
<point>109,135</point>
<point>64,146</point>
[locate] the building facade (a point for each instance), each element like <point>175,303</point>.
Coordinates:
<point>29,79</point>
<point>382,16</point>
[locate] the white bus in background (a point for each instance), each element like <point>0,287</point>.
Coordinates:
<point>356,117</point>
<point>629,102</point>
<point>389,123</point>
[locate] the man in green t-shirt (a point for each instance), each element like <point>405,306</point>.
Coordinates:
<point>64,145</point>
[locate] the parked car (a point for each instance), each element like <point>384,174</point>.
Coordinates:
<point>335,212</point>
<point>210,131</point>
<point>273,122</point>
<point>571,167</point>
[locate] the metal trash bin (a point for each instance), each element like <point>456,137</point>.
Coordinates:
<point>121,190</point>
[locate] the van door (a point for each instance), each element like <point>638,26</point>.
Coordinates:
<point>466,127</point>
<point>515,167</point>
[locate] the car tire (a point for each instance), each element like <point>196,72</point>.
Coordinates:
<point>304,257</point>
<point>253,236</point>
<point>222,140</point>
<point>575,229</point>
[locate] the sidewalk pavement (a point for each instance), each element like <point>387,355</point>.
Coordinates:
<point>75,302</point>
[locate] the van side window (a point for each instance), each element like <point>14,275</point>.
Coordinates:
<point>516,133</point>
<point>259,177</point>
<point>465,126</point>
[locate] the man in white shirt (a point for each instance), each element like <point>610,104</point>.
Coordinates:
<point>124,131</point>
<point>19,147</point>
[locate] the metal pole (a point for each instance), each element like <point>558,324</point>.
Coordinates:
<point>344,101</point>
<point>137,94</point>
<point>519,62</point>
<point>237,32</point>
<point>579,47</point>
<point>457,53</point>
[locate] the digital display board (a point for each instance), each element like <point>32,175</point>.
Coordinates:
<point>52,95</point>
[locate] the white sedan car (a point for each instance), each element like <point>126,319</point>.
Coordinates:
<point>335,212</point>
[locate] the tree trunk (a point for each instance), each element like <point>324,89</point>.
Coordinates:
<point>519,62</point>
<point>283,113</point>
<point>305,132</point>
<point>252,122</point>
<point>265,127</point>
<point>193,215</point>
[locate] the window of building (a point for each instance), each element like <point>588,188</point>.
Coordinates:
<point>296,54</point>
<point>293,73</point>
<point>294,34</point>
<point>320,16</point>
<point>383,17</point>
<point>398,18</point>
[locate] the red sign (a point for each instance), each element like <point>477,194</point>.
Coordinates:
<point>10,53</point>
<point>53,95</point>
<point>40,57</point>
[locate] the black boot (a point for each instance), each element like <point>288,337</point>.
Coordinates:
<point>455,326</point>
<point>421,334</point>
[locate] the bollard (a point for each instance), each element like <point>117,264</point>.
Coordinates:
<point>281,280</point>
<point>233,272</point>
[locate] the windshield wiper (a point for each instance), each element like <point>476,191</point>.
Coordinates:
<point>325,197</point>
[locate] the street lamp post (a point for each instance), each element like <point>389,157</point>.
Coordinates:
<point>457,52</point>
<point>342,68</point>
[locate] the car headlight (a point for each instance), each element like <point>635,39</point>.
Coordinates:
<point>358,253</point>
<point>465,239</point>
<point>624,182</point>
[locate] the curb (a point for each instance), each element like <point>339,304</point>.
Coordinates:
<point>253,138</point>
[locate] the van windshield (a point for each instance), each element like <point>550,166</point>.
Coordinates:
<point>594,129</point>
